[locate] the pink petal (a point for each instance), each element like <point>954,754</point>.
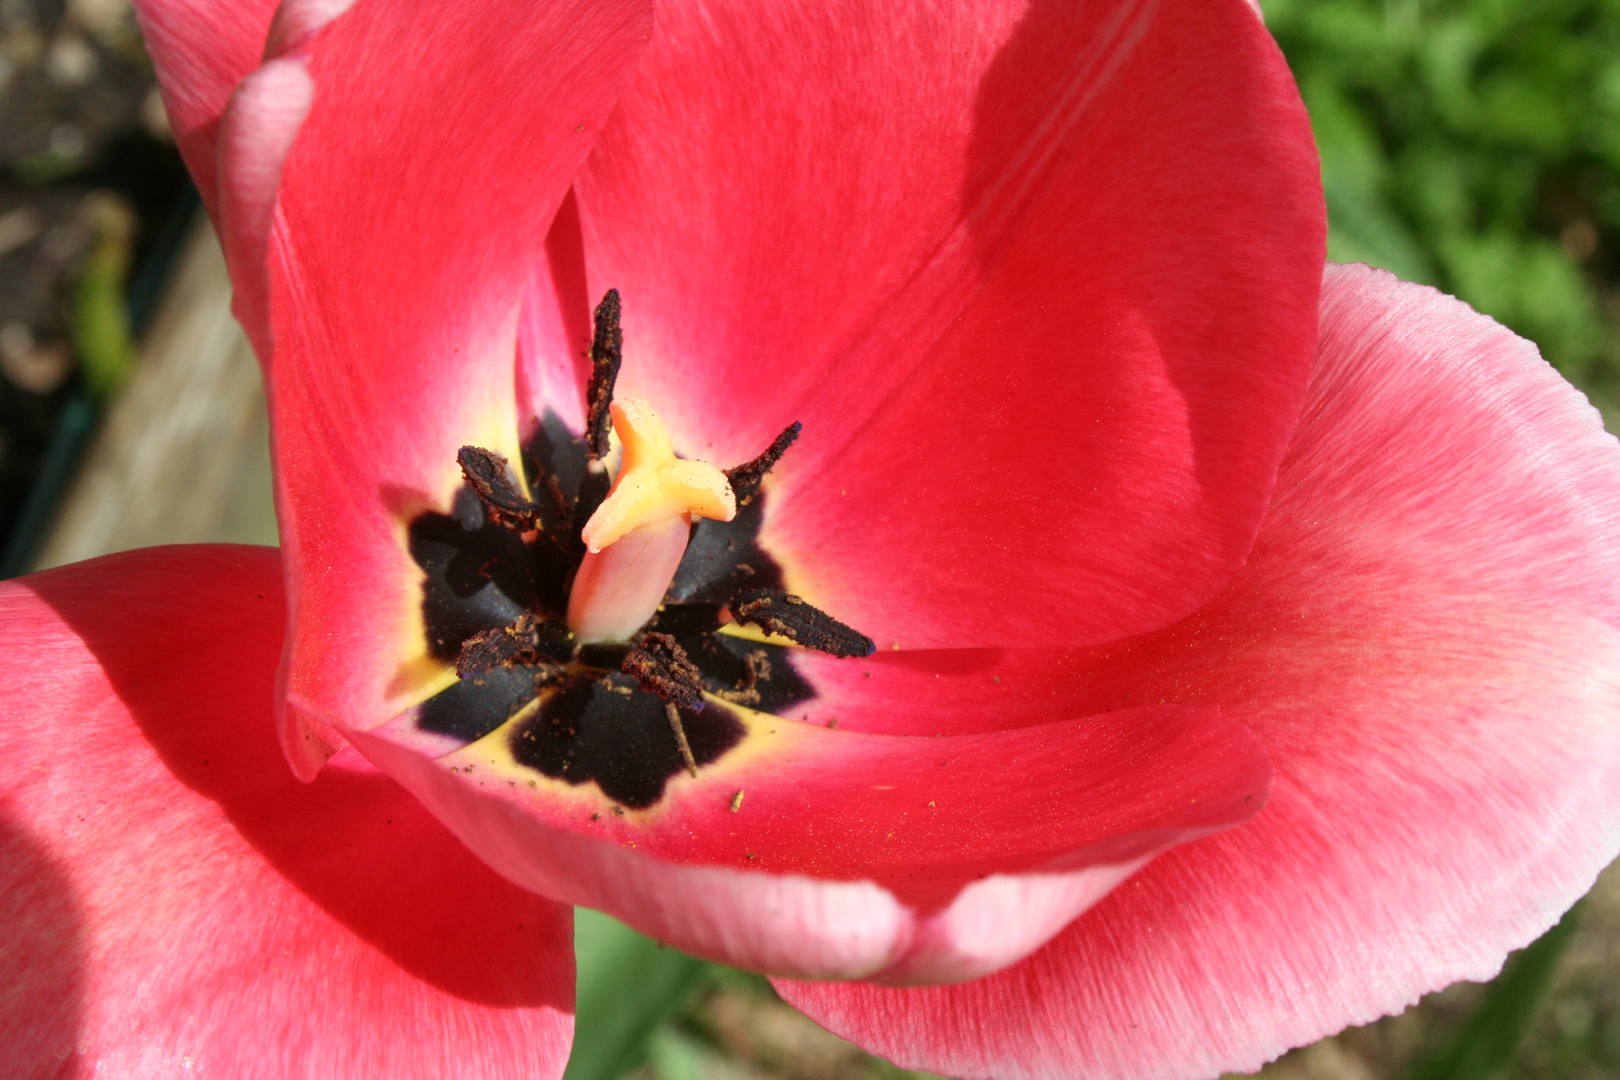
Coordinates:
<point>409,215</point>
<point>554,331</point>
<point>201,49</point>
<point>821,852</point>
<point>298,21</point>
<point>256,134</point>
<point>176,903</point>
<point>235,125</point>
<point>1425,641</point>
<point>1040,280</point>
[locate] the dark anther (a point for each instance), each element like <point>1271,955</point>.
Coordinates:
<point>745,478</point>
<point>528,641</point>
<point>486,471</point>
<point>484,652</point>
<point>777,612</point>
<point>662,667</point>
<point>607,352</point>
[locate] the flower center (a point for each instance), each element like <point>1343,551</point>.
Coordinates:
<point>589,623</point>
<point>635,540</point>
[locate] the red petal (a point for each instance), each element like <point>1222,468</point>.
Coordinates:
<point>1425,640</point>
<point>175,902</point>
<point>1040,280</point>
<point>847,855</point>
<point>410,214</point>
<point>953,691</point>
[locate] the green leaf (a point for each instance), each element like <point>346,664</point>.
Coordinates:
<point>676,1055</point>
<point>101,336</point>
<point>1363,229</point>
<point>627,985</point>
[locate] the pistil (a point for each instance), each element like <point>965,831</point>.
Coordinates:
<point>636,538</point>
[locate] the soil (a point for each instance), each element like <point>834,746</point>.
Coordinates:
<point>83,142</point>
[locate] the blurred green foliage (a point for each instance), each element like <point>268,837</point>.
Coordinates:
<point>1475,145</point>
<point>627,986</point>
<point>100,312</point>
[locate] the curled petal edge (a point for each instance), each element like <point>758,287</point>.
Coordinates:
<point>846,927</point>
<point>1433,605</point>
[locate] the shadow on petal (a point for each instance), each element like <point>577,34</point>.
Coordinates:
<point>354,843</point>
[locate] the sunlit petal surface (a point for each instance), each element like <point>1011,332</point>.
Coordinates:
<point>1425,642</point>
<point>1040,280</point>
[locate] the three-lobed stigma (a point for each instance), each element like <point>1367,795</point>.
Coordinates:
<point>653,484</point>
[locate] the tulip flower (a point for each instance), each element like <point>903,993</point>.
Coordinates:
<point>1029,609</point>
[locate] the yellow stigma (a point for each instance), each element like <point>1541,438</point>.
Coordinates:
<point>653,484</point>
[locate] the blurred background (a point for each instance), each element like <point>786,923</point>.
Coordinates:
<point>1470,144</point>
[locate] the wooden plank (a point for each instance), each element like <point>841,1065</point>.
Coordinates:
<point>183,453</point>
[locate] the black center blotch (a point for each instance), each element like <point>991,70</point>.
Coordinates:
<point>469,709</point>
<point>604,728</point>
<point>556,453</point>
<point>723,658</point>
<point>723,557</point>
<point>480,575</point>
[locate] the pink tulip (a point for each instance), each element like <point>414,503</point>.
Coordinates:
<point>1246,636</point>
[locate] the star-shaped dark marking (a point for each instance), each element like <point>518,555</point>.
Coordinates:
<point>603,728</point>
<point>628,716</point>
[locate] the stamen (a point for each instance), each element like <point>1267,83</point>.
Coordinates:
<point>662,667</point>
<point>607,353</point>
<point>801,622</point>
<point>486,471</point>
<point>745,478</point>
<point>527,641</point>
